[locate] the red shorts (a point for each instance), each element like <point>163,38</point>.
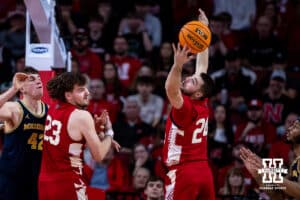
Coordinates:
<point>62,188</point>
<point>191,181</point>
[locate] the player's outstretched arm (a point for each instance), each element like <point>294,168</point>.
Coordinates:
<point>173,82</point>
<point>82,121</point>
<point>8,110</point>
<point>202,57</point>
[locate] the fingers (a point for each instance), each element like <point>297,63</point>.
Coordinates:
<point>201,12</point>
<point>174,48</point>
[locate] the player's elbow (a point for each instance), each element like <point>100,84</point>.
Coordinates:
<point>98,157</point>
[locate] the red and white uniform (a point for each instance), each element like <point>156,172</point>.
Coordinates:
<point>185,152</point>
<point>62,160</point>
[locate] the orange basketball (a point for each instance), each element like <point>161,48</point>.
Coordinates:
<point>195,35</point>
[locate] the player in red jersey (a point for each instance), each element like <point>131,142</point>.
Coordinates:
<point>185,147</point>
<point>68,128</point>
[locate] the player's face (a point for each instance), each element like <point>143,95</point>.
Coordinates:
<point>33,87</point>
<point>154,190</point>
<point>79,96</point>
<point>192,85</point>
<point>293,132</point>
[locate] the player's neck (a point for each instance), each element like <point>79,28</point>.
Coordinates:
<point>33,105</point>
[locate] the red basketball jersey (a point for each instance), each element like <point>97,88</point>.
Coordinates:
<point>186,133</point>
<point>61,154</point>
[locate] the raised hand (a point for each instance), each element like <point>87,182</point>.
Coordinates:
<point>202,17</point>
<point>181,55</point>
<point>19,80</point>
<point>100,121</point>
<point>251,161</point>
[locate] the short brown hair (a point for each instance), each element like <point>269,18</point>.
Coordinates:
<point>30,70</point>
<point>208,86</point>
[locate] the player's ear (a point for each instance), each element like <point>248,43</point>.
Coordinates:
<point>21,90</point>
<point>198,94</point>
<point>68,96</point>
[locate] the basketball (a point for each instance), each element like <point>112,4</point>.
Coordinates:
<point>195,35</point>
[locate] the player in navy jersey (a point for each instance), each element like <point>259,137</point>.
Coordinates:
<point>291,183</point>
<point>185,147</point>
<point>23,136</point>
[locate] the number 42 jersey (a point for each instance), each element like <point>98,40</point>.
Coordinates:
<point>186,133</point>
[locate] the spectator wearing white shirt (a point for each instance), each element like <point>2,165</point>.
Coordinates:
<point>151,105</point>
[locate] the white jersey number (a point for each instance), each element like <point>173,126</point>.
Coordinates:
<point>55,126</point>
<point>197,138</point>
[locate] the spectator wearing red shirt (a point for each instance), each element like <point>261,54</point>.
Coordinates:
<point>89,62</point>
<point>127,66</point>
<point>98,102</point>
<point>256,131</point>
<point>114,89</point>
<point>220,175</point>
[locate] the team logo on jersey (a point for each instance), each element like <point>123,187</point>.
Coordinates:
<point>27,116</point>
<point>272,172</point>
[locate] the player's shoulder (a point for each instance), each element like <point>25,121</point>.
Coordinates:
<point>81,114</point>
<point>13,106</point>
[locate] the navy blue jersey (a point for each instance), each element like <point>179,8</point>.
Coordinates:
<point>295,170</point>
<point>21,156</point>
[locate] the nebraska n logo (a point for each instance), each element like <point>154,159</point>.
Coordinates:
<point>272,170</point>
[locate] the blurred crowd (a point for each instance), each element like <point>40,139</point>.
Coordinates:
<point>124,47</point>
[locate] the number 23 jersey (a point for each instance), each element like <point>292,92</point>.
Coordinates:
<point>186,133</point>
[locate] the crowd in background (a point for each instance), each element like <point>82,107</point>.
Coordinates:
<point>124,47</point>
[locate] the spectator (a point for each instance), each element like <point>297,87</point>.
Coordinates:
<point>151,105</point>
<point>234,184</point>
<point>110,22</point>
<point>261,46</point>
<point>276,104</point>
<point>220,136</point>
<point>141,159</point>
<point>139,181</point>
<point>98,102</point>
<point>256,131</point>
<point>242,12</point>
<point>164,60</point>
<point>131,129</point>
<point>139,43</point>
<point>154,189</point>
<point>66,22</point>
<point>89,62</point>
<point>152,23</point>
<point>237,81</point>
<point>108,174</point>
<point>221,173</point>
<point>96,39</point>
<point>14,37</point>
<point>114,90</point>
<point>127,65</point>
